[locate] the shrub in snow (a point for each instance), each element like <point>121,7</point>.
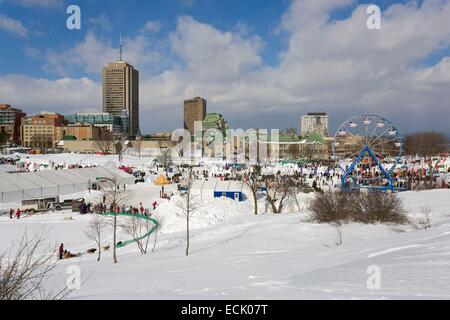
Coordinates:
<point>423,221</point>
<point>341,207</point>
<point>332,207</point>
<point>379,207</point>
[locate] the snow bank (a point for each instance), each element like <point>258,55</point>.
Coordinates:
<point>208,213</point>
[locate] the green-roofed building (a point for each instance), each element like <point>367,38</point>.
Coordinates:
<point>215,121</point>
<point>314,138</point>
<point>294,147</point>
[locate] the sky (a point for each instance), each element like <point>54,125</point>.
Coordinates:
<point>260,63</point>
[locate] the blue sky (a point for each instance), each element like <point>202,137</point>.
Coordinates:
<point>47,26</point>
<point>260,62</point>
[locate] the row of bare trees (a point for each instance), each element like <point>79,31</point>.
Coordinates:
<point>427,145</point>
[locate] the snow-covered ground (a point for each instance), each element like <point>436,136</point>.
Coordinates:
<point>236,255</point>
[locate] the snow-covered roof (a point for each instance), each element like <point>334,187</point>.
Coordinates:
<point>15,187</point>
<point>211,186</point>
<point>233,186</point>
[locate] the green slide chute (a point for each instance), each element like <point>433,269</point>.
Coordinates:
<point>122,244</point>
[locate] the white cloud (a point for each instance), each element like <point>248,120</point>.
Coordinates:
<point>31,52</point>
<point>151,26</point>
<point>101,22</point>
<point>62,95</point>
<point>210,54</point>
<point>12,26</point>
<point>94,53</point>
<point>336,66</point>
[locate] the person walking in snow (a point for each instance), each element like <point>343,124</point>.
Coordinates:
<point>141,209</point>
<point>18,213</point>
<point>155,204</point>
<point>61,251</point>
<point>11,213</point>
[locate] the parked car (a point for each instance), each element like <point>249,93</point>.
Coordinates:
<point>64,205</point>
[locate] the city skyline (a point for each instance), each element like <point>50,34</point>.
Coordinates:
<point>265,66</point>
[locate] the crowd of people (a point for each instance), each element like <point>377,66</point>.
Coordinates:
<point>102,208</point>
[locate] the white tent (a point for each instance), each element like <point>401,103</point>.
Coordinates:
<point>27,188</point>
<point>9,192</point>
<point>48,188</point>
<point>16,187</point>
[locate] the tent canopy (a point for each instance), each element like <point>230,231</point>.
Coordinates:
<point>15,187</point>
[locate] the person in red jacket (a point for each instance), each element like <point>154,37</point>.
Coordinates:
<point>18,213</point>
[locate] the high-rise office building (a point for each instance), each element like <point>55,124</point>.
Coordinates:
<point>10,120</point>
<point>121,92</point>
<point>315,122</point>
<point>194,110</point>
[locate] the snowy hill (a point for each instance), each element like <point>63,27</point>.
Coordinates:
<point>236,255</point>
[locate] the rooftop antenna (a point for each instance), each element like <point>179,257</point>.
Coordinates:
<point>121,48</point>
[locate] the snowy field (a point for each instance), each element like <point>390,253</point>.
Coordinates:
<point>237,255</point>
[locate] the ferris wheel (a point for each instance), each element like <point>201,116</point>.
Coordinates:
<point>367,147</point>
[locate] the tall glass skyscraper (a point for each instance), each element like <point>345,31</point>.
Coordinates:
<point>121,93</point>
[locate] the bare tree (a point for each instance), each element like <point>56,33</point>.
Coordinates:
<point>339,240</point>
<point>254,182</point>
<point>24,269</point>
<point>165,152</point>
<point>120,146</point>
<point>104,145</point>
<point>138,227</point>
<point>279,191</point>
<point>188,204</point>
<point>116,197</point>
<point>294,193</point>
<point>94,232</point>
